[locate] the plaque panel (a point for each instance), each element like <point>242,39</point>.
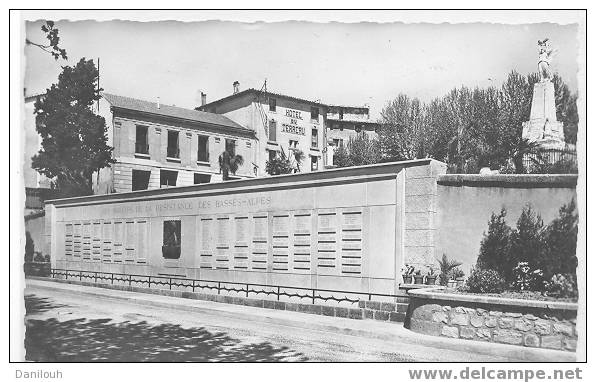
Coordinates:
<point>281,243</point>
<point>222,246</point>
<point>260,244</point>
<point>118,244</point>
<point>107,236</point>
<point>351,242</point>
<point>327,242</point>
<point>68,232</point>
<point>96,241</point>
<point>129,247</point>
<point>142,240</point>
<point>87,241</point>
<point>206,242</point>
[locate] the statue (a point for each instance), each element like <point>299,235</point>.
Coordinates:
<point>545,53</point>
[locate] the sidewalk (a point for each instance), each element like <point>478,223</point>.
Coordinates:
<point>391,332</point>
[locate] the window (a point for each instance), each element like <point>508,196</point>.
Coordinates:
<point>172,230</point>
<point>272,130</point>
<point>293,144</point>
<point>314,113</point>
<point>142,142</point>
<point>315,138</point>
<point>167,178</point>
<point>341,113</point>
<point>203,153</point>
<point>272,104</point>
<point>202,178</point>
<point>231,147</point>
<point>140,179</point>
<point>173,148</point>
<point>314,163</point>
<point>358,128</point>
<point>337,142</point>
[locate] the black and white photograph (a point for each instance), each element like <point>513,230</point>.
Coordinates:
<point>264,186</point>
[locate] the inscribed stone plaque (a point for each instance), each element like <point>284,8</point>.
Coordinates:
<point>327,222</point>
<point>280,260</point>
<point>351,220</point>
<point>281,224</point>
<point>129,247</point>
<point>302,223</point>
<point>107,235</point>
<point>206,246</point>
<point>96,241</point>
<point>68,239</point>
<point>223,232</point>
<point>118,244</point>
<point>142,238</point>
<point>260,232</point>
<point>87,241</point>
<point>241,223</point>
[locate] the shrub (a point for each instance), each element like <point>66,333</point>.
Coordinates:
<point>527,243</point>
<point>39,258</point>
<point>527,278</point>
<point>485,281</point>
<point>495,246</point>
<point>562,286</point>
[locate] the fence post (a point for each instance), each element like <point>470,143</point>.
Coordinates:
<point>149,283</point>
<point>80,275</point>
<point>95,277</point>
<point>278,293</point>
<point>218,287</point>
<point>129,280</point>
<point>112,278</point>
<point>170,283</point>
<point>313,296</point>
<point>193,286</point>
<point>246,290</point>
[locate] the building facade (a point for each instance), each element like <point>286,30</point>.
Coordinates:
<point>158,146</point>
<point>285,124</point>
<point>282,124</point>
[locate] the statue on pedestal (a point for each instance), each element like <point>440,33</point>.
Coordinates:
<point>544,58</point>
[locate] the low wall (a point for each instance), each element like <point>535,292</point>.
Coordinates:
<point>528,323</point>
<point>466,202</point>
<point>342,229</point>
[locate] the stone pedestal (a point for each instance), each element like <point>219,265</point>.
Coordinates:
<point>543,126</point>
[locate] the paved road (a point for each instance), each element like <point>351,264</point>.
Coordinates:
<point>92,324</point>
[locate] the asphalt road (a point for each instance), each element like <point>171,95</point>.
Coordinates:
<point>64,325</point>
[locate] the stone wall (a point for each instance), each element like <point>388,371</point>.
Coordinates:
<point>501,323</point>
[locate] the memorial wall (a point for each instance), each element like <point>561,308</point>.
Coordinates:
<point>341,229</point>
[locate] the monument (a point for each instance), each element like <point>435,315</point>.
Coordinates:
<point>543,127</point>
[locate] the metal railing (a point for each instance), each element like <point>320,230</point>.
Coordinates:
<point>312,294</point>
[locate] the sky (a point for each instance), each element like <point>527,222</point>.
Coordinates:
<point>338,63</point>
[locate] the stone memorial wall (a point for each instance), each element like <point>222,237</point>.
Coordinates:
<point>341,229</point>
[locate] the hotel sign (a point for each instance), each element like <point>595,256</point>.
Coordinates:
<point>293,127</point>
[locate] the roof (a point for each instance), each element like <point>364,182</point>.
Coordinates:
<point>354,121</point>
<point>171,111</point>
<point>253,90</point>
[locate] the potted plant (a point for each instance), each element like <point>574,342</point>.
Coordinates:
<point>459,276</point>
<point>407,274</point>
<point>418,277</point>
<point>431,277</point>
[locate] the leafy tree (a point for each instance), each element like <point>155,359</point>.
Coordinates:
<point>53,39</point>
<point>495,246</point>
<point>229,163</point>
<point>359,151</point>
<point>298,158</point>
<point>402,134</point>
<point>29,247</point>
<point>74,142</point>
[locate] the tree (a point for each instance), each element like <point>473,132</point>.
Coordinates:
<point>527,240</point>
<point>53,38</point>
<point>495,246</point>
<point>359,151</point>
<point>74,141</point>
<point>560,240</point>
<point>298,158</point>
<point>446,268</point>
<point>229,163</point>
<point>402,132</point>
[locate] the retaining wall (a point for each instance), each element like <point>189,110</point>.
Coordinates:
<point>542,324</point>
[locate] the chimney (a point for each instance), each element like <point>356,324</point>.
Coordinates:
<point>158,103</point>
<point>236,85</point>
<point>203,99</point>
